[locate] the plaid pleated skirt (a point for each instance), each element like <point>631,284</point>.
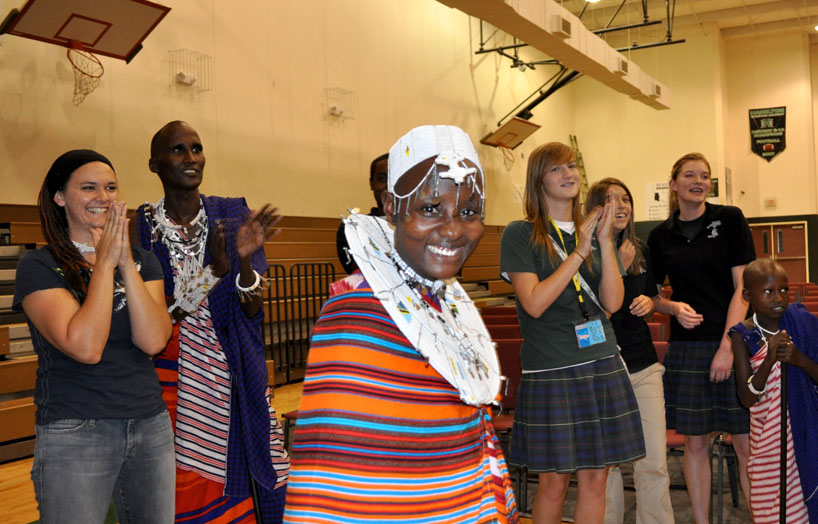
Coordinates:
<point>694,405</point>
<point>582,417</point>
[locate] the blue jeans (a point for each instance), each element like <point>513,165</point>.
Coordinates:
<point>80,464</point>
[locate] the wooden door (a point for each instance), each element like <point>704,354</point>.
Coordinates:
<point>790,247</point>
<point>762,235</point>
<point>786,243</point>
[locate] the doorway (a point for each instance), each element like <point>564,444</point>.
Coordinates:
<point>786,243</point>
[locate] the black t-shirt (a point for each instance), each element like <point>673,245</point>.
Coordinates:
<point>700,270</point>
<point>691,228</point>
<point>122,385</point>
<point>632,333</point>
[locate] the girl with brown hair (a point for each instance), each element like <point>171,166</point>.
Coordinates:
<point>575,411</point>
<point>636,347</point>
<point>702,249</point>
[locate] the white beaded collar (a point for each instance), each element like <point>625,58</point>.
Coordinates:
<point>454,340</point>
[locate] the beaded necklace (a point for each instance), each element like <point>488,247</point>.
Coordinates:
<point>83,248</point>
<point>186,253</point>
<point>454,339</point>
<point>177,238</point>
<point>762,330</point>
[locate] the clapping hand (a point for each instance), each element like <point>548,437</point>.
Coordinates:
<point>256,229</point>
<point>586,232</point>
<point>110,240</point>
<point>606,220</point>
<point>627,252</point>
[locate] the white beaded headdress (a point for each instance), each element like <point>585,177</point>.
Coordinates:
<point>453,339</point>
<point>450,146</point>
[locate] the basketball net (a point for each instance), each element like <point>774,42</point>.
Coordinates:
<point>508,156</point>
<point>87,72</point>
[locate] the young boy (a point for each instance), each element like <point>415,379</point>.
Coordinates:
<point>778,334</point>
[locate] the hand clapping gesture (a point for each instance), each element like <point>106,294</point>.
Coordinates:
<point>111,240</point>
<point>256,229</point>
<point>217,250</point>
<point>606,220</point>
<point>586,232</point>
<point>627,252</point>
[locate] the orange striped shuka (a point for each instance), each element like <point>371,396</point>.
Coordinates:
<point>382,437</point>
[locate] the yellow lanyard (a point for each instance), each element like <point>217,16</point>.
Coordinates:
<point>576,275</point>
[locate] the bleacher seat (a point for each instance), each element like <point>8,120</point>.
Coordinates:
<point>498,310</point>
<point>500,319</point>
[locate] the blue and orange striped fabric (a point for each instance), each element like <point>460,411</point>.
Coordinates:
<point>382,437</point>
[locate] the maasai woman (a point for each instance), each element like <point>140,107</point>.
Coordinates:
<point>393,425</point>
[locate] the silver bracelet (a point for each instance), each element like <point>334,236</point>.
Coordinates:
<point>752,388</point>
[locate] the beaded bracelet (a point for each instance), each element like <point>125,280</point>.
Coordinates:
<point>246,293</point>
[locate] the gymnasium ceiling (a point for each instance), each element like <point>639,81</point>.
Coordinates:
<point>732,17</point>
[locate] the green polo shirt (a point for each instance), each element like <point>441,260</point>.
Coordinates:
<point>550,340</point>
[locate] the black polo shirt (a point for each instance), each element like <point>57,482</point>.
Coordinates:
<point>632,333</point>
<point>699,270</point>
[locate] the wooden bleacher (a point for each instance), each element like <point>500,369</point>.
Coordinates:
<point>17,409</point>
<point>301,240</point>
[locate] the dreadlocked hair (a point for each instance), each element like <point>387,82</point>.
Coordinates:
<point>75,268</point>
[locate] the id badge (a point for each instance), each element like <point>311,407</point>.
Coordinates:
<point>589,333</point>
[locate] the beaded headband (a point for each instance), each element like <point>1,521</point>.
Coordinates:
<point>450,146</point>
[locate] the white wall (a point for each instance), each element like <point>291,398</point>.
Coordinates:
<point>769,72</point>
<point>268,136</point>
<point>714,82</point>
<point>626,139</point>
<point>265,127</point>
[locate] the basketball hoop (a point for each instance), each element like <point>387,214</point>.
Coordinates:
<point>87,72</point>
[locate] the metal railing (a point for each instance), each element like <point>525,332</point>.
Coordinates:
<point>293,304</point>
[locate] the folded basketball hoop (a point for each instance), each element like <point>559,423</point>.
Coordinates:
<point>87,72</point>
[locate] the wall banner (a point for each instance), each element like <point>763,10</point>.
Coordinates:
<point>768,131</point>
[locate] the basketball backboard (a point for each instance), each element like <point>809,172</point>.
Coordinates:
<point>114,28</point>
<point>511,134</point>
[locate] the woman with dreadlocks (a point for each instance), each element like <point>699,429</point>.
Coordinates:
<point>96,311</point>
